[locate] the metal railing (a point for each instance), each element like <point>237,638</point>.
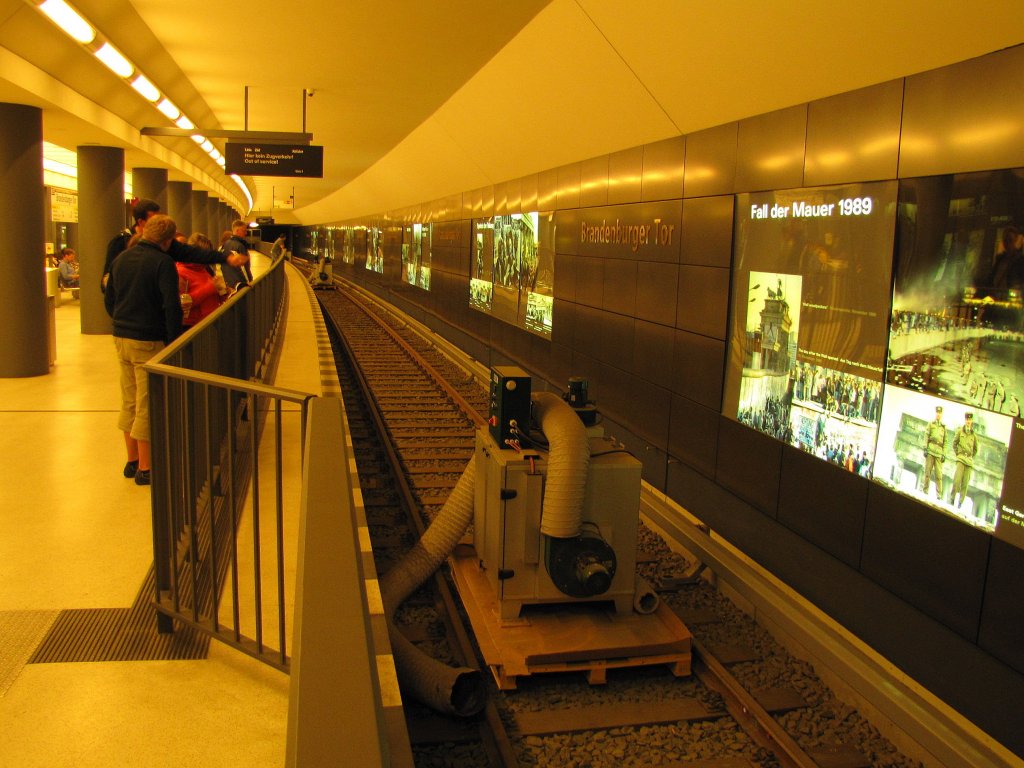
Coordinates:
<point>218,481</point>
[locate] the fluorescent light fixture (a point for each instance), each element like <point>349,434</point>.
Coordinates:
<point>146,88</point>
<point>207,145</point>
<point>117,63</point>
<point>114,60</point>
<point>67,18</point>
<point>198,138</point>
<point>55,166</point>
<point>172,112</point>
<point>184,123</point>
<point>245,190</point>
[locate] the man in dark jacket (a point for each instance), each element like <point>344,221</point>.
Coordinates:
<point>237,275</point>
<point>141,211</point>
<point>143,301</point>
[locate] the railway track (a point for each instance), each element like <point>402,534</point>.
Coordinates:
<point>413,414</point>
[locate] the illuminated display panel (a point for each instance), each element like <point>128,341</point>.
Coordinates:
<point>957,344</point>
<point>512,269</point>
<point>416,255</point>
<point>374,250</point>
<point>810,311</point>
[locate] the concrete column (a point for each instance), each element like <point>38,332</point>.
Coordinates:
<point>200,221</point>
<point>24,340</point>
<point>213,219</point>
<point>179,205</point>
<point>100,217</point>
<point>151,184</point>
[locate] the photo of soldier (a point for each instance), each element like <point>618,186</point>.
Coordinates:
<point>944,454</point>
<point>965,448</point>
<point>934,452</point>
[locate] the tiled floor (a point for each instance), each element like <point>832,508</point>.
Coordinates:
<point>76,534</point>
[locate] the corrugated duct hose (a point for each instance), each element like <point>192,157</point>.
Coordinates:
<point>459,691</point>
<point>568,460</point>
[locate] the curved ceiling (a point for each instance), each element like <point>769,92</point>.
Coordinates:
<point>416,101</point>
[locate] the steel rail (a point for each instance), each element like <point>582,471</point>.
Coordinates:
<point>747,712</point>
<point>494,736</point>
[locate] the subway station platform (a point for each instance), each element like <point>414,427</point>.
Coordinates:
<point>77,535</point>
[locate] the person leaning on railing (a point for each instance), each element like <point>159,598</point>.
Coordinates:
<point>142,299</point>
<point>142,211</point>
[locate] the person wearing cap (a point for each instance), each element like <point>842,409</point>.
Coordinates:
<point>934,452</point>
<point>965,448</point>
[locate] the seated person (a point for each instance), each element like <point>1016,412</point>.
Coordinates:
<point>68,267</point>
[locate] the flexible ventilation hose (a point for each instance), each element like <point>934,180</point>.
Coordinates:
<point>645,599</point>
<point>568,460</point>
<point>458,691</point>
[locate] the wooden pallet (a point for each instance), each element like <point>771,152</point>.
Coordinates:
<point>573,637</point>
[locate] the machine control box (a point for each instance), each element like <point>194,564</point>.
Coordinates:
<point>509,403</point>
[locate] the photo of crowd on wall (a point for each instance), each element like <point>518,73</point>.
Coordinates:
<point>917,386</point>
<point>808,366</point>
<point>956,349</point>
<point>416,255</point>
<point>374,250</point>
<point>512,275</point>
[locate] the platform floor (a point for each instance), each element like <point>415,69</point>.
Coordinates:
<point>77,534</point>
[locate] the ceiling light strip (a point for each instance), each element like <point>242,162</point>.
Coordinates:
<point>80,30</point>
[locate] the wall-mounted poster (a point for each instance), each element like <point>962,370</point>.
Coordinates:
<point>513,269</point>
<point>374,250</point>
<point>955,374</point>
<point>810,309</point>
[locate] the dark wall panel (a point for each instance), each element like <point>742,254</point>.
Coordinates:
<point>934,562</point>
<point>1002,616</point>
<point>565,277</point>
<point>589,281</point>
<point>594,181</point>
<point>703,300</point>
<point>663,169</point>
<point>528,192</point>
<point>823,503</point>
<point>967,116</point>
<point>614,338</point>
<point>547,189</point>
<point>513,196</point>
<point>643,409</point>
<point>854,136</point>
<point>563,322</point>
<point>711,162</point>
<point>620,286</point>
<point>656,286</point>
<point>771,150</point>
<point>697,368</point>
<point>650,358</point>
<point>707,231</point>
<point>625,175</point>
<point>569,186</point>
<point>749,465</point>
<point>501,198</point>
<point>693,435</point>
